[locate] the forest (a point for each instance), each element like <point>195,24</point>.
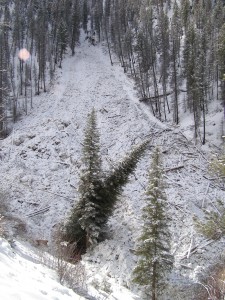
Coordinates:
<point>174,53</point>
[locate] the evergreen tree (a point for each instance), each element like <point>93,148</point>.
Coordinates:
<point>4,82</point>
<point>163,45</point>
<point>62,37</point>
<point>98,195</point>
<point>185,13</point>
<point>85,15</point>
<point>153,249</point>
<point>75,25</point>
<point>115,181</point>
<point>192,76</point>
<point>175,37</point>
<point>82,225</point>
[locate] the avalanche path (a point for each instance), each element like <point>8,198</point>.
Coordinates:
<point>40,164</point>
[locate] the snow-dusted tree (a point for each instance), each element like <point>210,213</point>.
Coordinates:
<point>163,46</point>
<point>98,195</point>
<point>175,37</point>
<point>41,44</point>
<point>154,251</point>
<point>185,13</point>
<point>192,78</point>
<point>217,24</point>
<point>115,181</point>
<point>221,59</point>
<point>85,15</point>
<point>62,38</point>
<point>74,25</point>
<point>4,81</point>
<point>82,225</point>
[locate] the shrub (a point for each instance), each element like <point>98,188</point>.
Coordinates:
<point>217,166</point>
<point>70,270</point>
<point>211,284</point>
<point>214,225</point>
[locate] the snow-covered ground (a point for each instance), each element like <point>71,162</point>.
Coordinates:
<point>23,277</point>
<point>40,163</point>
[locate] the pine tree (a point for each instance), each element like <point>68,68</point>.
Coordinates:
<point>62,37</point>
<point>185,13</point>
<point>115,181</point>
<point>82,225</point>
<point>175,36</point>
<point>98,193</point>
<point>4,82</point>
<point>190,69</point>
<point>85,15</point>
<point>153,249</point>
<point>162,37</point>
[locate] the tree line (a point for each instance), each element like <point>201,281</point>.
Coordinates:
<point>46,29</point>
<point>175,53</point>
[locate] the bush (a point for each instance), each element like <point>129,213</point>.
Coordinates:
<point>71,272</point>
<point>68,266</point>
<point>214,225</point>
<point>211,284</point>
<point>217,166</point>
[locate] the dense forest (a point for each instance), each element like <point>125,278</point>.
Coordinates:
<point>175,53</point>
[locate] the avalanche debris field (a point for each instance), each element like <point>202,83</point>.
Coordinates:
<point>41,158</point>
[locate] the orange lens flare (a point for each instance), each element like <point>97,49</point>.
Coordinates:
<point>24,54</point>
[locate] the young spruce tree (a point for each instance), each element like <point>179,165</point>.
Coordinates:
<point>154,249</point>
<point>82,225</point>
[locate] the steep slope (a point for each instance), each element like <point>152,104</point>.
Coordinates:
<point>40,164</point>
<point>42,155</point>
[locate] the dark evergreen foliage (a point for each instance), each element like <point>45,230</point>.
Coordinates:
<point>98,192</point>
<point>116,179</point>
<point>154,250</point>
<point>82,226</point>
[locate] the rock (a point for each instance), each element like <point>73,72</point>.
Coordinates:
<point>31,135</point>
<point>18,140</point>
<point>26,179</point>
<point>63,155</point>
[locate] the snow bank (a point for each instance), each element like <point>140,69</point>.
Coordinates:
<point>23,277</point>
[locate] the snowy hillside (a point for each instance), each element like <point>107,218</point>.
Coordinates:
<point>40,163</point>
<point>23,277</point>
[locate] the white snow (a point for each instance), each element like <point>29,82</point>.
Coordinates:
<point>40,163</point>
<point>23,277</point>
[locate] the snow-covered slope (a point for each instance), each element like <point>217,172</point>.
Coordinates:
<point>23,277</point>
<point>41,158</point>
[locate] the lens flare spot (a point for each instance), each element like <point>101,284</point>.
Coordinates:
<point>24,54</point>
